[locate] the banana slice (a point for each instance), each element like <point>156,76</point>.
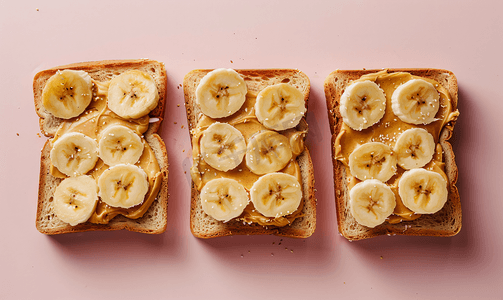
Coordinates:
<point>222,146</point>
<point>123,186</point>
<point>423,191</point>
<point>267,152</point>
<point>276,194</point>
<point>373,161</point>
<point>75,199</point>
<point>74,154</point>
<point>133,94</point>
<point>280,106</point>
<point>120,145</point>
<point>67,93</point>
<point>224,199</point>
<point>371,202</point>
<point>221,93</point>
<point>414,148</point>
<point>363,104</point>
<point>415,102</point>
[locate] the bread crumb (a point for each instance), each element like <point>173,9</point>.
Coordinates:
<point>174,123</point>
<point>17,134</point>
<point>232,62</point>
<point>381,257</point>
<point>37,9</point>
<point>183,150</point>
<point>182,126</point>
<point>178,105</point>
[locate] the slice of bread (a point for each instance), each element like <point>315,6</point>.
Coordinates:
<point>155,219</point>
<point>446,222</point>
<point>204,226</point>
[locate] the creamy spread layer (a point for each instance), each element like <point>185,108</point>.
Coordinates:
<point>95,119</point>
<point>246,122</point>
<point>389,128</point>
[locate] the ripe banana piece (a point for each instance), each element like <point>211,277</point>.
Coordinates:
<point>119,145</point>
<point>371,202</point>
<point>224,199</point>
<point>423,191</point>
<point>123,186</point>
<point>276,194</point>
<point>75,199</point>
<point>221,93</point>
<point>67,93</point>
<point>267,151</point>
<point>363,104</point>
<point>414,148</point>
<point>415,102</point>
<point>222,146</point>
<point>373,161</point>
<point>132,94</point>
<point>280,106</point>
<point>74,154</point>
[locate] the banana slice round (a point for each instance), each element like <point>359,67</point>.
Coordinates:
<point>363,104</point>
<point>67,93</point>
<point>415,102</point>
<point>224,199</point>
<point>371,202</point>
<point>276,194</point>
<point>120,145</point>
<point>123,186</point>
<point>75,199</point>
<point>222,146</point>
<point>423,191</point>
<point>221,93</point>
<point>74,154</point>
<point>414,148</point>
<point>373,161</point>
<point>267,152</point>
<point>280,106</point>
<point>132,94</point>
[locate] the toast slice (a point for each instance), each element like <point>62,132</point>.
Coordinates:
<point>154,221</point>
<point>446,222</point>
<point>204,226</point>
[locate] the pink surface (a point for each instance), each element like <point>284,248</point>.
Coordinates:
<point>464,37</point>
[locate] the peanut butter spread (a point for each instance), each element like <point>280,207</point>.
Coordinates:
<point>92,122</point>
<point>389,128</point>
<point>246,122</point>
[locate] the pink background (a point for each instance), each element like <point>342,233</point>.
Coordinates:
<point>462,36</point>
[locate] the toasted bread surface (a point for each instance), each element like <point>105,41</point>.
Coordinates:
<point>204,226</point>
<point>154,220</point>
<point>446,222</point>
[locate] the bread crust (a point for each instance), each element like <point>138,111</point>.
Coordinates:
<point>154,221</point>
<point>446,222</point>
<point>204,226</point>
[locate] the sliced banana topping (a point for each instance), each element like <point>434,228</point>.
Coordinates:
<point>221,93</point>
<point>280,106</point>
<point>224,199</point>
<point>415,102</point>
<point>67,93</point>
<point>371,202</point>
<point>414,148</point>
<point>423,191</point>
<point>119,145</point>
<point>222,146</point>
<point>132,94</point>
<point>123,186</point>
<point>267,152</point>
<point>75,199</point>
<point>373,160</point>
<point>363,104</point>
<point>74,154</point>
<point>276,194</point>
